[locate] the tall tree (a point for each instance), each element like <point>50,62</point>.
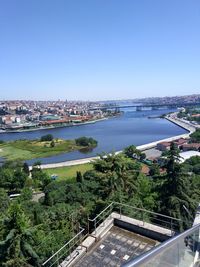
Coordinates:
<point>116,173</point>
<point>173,159</point>
<point>16,249</point>
<point>4,200</point>
<point>26,168</point>
<point>79,177</point>
<point>154,170</point>
<point>176,191</point>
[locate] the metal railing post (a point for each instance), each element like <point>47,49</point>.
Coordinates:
<point>88,226</point>
<point>95,226</point>
<point>111,209</point>
<point>57,260</point>
<point>171,226</point>
<point>143,218</point>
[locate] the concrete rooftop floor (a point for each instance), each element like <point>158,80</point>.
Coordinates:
<point>116,247</point>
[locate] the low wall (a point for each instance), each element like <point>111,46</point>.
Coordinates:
<point>141,230</point>
<point>149,230</point>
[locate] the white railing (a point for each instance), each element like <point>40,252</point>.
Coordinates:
<point>143,215</point>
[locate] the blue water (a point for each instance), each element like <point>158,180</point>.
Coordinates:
<point>112,135</point>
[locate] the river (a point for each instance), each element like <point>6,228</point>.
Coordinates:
<point>133,127</point>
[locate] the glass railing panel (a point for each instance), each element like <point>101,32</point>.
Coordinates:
<point>176,252</point>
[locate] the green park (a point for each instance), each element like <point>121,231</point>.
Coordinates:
<point>45,147</point>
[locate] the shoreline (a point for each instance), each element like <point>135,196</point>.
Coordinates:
<point>52,127</point>
<point>90,159</point>
<point>170,117</point>
<point>183,124</point>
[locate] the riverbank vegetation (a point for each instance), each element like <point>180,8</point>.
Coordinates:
<point>86,141</point>
<point>45,147</point>
<point>67,204</point>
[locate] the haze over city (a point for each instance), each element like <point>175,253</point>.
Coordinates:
<point>98,50</point>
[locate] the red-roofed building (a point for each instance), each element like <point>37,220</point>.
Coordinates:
<point>166,145</point>
<point>192,146</point>
<point>163,146</point>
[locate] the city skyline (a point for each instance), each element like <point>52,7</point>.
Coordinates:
<point>106,100</point>
<point>99,50</point>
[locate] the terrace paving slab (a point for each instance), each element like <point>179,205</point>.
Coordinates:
<point>116,247</point>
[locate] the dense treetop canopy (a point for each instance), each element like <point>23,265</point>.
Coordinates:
<point>34,229</point>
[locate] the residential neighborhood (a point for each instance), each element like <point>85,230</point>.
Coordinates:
<point>27,115</point>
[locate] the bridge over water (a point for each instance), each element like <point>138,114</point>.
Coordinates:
<point>152,106</point>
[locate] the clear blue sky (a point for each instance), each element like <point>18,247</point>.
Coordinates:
<point>99,49</point>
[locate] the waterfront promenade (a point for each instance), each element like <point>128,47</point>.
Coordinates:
<point>181,123</point>
<point>171,117</point>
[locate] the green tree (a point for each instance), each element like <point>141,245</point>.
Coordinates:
<point>52,144</point>
<point>26,194</point>
<point>41,178</point>
<point>173,159</point>
<point>79,177</point>
<point>4,200</point>
<point>154,170</point>
<point>132,152</point>
<point>195,137</point>
<point>116,172</point>
<point>47,137</point>
<point>12,179</point>
<point>16,249</point>
<point>26,168</point>
<point>176,191</point>
<point>86,141</point>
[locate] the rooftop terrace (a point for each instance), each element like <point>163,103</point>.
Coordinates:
<point>116,247</point>
<point>119,233</point>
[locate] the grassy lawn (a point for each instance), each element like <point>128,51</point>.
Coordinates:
<point>69,173</point>
<point>30,149</point>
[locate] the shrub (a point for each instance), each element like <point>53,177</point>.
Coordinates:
<point>52,143</point>
<point>85,141</point>
<point>47,137</point>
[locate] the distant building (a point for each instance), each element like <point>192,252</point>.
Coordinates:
<point>180,142</point>
<point>195,115</point>
<point>163,146</point>
<point>8,119</point>
<point>192,146</point>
